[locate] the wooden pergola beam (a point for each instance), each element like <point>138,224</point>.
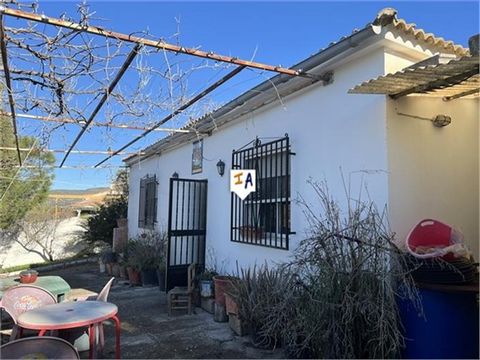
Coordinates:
<point>461,94</point>
<point>94,123</point>
<point>71,167</point>
<point>178,111</point>
<point>439,83</point>
<point>158,44</point>
<point>82,152</point>
<point>104,98</point>
<point>8,83</point>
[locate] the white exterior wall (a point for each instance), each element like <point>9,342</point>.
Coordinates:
<point>330,132</point>
<point>434,172</point>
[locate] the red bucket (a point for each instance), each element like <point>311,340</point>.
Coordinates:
<point>431,235</point>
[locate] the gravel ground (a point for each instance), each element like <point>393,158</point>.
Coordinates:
<point>148,332</point>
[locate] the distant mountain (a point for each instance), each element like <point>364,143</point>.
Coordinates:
<point>87,199</point>
<point>89,191</point>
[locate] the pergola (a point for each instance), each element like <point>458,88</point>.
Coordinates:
<point>52,80</point>
<point>434,76</point>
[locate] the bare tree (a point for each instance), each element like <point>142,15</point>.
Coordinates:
<point>38,230</point>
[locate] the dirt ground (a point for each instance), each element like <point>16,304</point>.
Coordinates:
<point>148,332</point>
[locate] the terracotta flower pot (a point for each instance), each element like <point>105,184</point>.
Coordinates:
<point>230,304</point>
<point>116,270</point>
<point>108,267</point>
<point>251,232</point>
<point>123,272</point>
<point>134,277</point>
<point>222,285</point>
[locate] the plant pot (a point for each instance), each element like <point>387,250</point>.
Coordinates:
<point>108,267</point>
<point>251,232</point>
<point>161,279</point>
<point>123,272</point>
<point>222,285</point>
<point>206,288</point>
<point>101,265</point>
<point>134,277</point>
<point>149,277</point>
<point>239,326</point>
<point>122,222</point>
<point>231,305</point>
<point>28,276</point>
<point>116,270</point>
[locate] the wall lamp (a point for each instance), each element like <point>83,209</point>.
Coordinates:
<point>439,120</point>
<point>175,175</point>
<point>220,167</point>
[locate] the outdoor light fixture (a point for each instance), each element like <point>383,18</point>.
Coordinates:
<point>175,175</point>
<point>442,120</point>
<point>439,120</point>
<point>220,167</point>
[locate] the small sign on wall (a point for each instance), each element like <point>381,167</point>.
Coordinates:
<point>197,157</point>
<point>243,182</point>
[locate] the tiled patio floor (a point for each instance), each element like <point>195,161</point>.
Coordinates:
<point>147,330</point>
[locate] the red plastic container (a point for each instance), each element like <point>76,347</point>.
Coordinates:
<point>222,285</point>
<point>28,276</point>
<point>430,233</point>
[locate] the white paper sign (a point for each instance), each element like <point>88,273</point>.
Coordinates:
<point>243,182</point>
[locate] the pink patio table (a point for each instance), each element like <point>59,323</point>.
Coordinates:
<point>73,315</point>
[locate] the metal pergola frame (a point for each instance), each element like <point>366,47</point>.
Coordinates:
<point>138,43</point>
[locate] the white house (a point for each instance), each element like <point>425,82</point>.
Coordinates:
<point>416,169</point>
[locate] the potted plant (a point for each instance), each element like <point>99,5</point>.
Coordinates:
<point>133,264</point>
<point>148,269</point>
<point>161,273</point>
<point>101,264</point>
<point>205,282</point>
<point>147,253</point>
<point>222,284</point>
<point>108,258</point>
<point>254,229</point>
<point>252,232</point>
<point>122,264</point>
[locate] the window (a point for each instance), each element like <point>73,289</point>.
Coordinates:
<point>147,213</point>
<point>263,218</point>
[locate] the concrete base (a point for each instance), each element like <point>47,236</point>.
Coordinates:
<point>238,326</point>
<point>207,304</point>
<point>220,313</point>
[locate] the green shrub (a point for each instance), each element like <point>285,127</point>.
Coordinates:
<point>147,251</point>
<point>99,226</point>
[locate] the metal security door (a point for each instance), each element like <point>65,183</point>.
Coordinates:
<point>186,228</point>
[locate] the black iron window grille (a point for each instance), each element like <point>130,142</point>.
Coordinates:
<point>263,218</point>
<point>147,212</point>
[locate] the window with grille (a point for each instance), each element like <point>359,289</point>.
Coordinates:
<point>147,213</point>
<point>263,218</point>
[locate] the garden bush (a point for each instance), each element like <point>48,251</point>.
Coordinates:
<point>100,225</point>
<point>338,297</point>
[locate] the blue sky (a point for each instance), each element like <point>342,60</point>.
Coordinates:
<point>280,32</point>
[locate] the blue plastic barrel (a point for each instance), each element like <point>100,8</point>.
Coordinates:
<point>450,329</point>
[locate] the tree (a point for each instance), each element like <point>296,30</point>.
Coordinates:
<point>120,184</point>
<point>99,227</point>
<point>24,188</point>
<point>38,230</point>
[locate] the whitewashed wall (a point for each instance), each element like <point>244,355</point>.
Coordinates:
<point>434,172</point>
<point>331,132</point>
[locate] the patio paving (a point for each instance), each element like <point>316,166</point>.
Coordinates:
<point>147,330</point>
